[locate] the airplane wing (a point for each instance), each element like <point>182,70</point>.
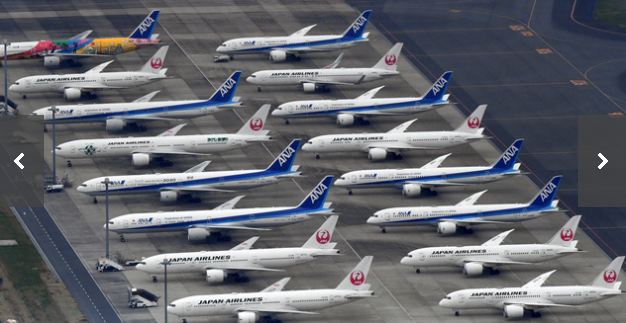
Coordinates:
<point>495,261</point>
<point>82,35</point>
<point>471,200</point>
<point>235,267</point>
<point>197,189</point>
<point>147,97</point>
<point>98,68</point>
<point>145,118</point>
<point>336,62</point>
<point>228,205</point>
<point>326,82</point>
<point>537,304</point>
<point>173,131</point>
<point>168,152</point>
<point>265,311</point>
<point>538,281</point>
<point>302,31</point>
<point>369,94</point>
<point>245,245</point>
<point>433,184</point>
<point>472,221</point>
<point>198,168</point>
<point>435,162</point>
<point>401,128</point>
<point>227,227</point>
<point>277,286</point>
<point>497,240</point>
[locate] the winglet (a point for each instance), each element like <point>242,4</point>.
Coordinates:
<point>358,26</point>
<point>472,123</point>
<point>146,27</point>
<point>317,197</point>
<point>321,238</point>
<point>436,162</point>
<point>497,240</point>
<point>538,281</point>
<point>546,195</point>
<point>390,60</point>
<point>98,68</point>
<point>228,205</point>
<point>401,128</point>
<point>254,126</point>
<point>608,277</point>
<point>277,286</point>
<point>283,162</point>
<point>356,278</point>
<point>472,199</point>
<point>226,92</point>
<point>565,236</point>
<point>438,89</point>
<point>173,131</point>
<point>245,245</point>
<point>154,64</point>
<point>509,156</point>
<point>147,97</point>
<point>369,94</point>
<point>198,168</point>
<point>336,62</point>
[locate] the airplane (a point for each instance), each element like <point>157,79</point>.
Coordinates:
<point>392,142</point>
<point>320,78</point>
<point>116,116</point>
<point>201,224</point>
<point>216,266</point>
<point>143,150</point>
<point>280,47</point>
<point>73,85</point>
<point>347,111</point>
<point>491,254</point>
<point>194,180</point>
<point>57,51</point>
<point>415,181</point>
<point>448,218</point>
<point>515,302</point>
<point>272,301</point>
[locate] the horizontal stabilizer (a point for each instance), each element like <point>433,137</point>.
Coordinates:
<point>198,168</point>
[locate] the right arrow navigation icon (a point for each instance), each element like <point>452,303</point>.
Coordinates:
<point>604,161</point>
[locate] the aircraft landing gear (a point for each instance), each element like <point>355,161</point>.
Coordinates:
<point>242,279</point>
<point>287,121</point>
<point>154,279</point>
<point>122,239</point>
<point>456,313</point>
<point>69,163</point>
<point>45,129</point>
<point>397,156</point>
<point>95,200</point>
<point>258,88</point>
<point>350,193</point>
<point>184,321</point>
<point>224,238</point>
<point>317,156</point>
<point>385,231</point>
<point>417,271</point>
<point>468,230</point>
<point>196,200</point>
<point>24,96</point>
<point>535,314</point>
<point>166,163</point>
<point>494,271</point>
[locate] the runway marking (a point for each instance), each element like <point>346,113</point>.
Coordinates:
<point>517,27</point>
<point>579,82</point>
<point>544,51</point>
<point>527,33</point>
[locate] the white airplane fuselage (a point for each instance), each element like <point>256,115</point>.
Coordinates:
<point>196,262</point>
<point>330,75</point>
<point>255,45</point>
<point>87,82</point>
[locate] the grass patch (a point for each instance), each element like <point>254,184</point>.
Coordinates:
<point>611,13</point>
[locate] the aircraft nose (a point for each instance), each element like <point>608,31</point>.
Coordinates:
<point>12,88</point>
<point>82,188</point>
<point>442,302</point>
<point>371,220</point>
<point>306,147</point>
<point>404,261</point>
<point>250,79</point>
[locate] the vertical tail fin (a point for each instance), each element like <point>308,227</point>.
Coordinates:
<point>608,277</point>
<point>436,92</point>
<point>317,197</point>
<point>154,64</point>
<point>509,156</point>
<point>226,92</point>
<point>145,28</point>
<point>321,238</point>
<point>254,126</point>
<point>284,161</point>
<point>546,195</point>
<point>565,236</point>
<point>390,60</point>
<point>472,123</point>
<point>356,278</point>
<point>358,26</point>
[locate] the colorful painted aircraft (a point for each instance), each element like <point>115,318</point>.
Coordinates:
<point>56,51</point>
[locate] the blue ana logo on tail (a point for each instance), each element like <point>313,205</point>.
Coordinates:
<point>145,25</point>
<point>547,191</point>
<point>440,84</point>
<point>227,86</point>
<point>285,155</point>
<point>319,190</point>
<point>358,24</point>
<point>509,154</point>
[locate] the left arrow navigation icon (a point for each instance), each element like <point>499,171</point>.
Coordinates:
<point>17,161</point>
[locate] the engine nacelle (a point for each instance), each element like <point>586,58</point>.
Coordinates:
<point>115,124</point>
<point>377,154</point>
<point>51,61</point>
<point>140,159</point>
<point>446,228</point>
<point>345,119</point>
<point>215,276</point>
<point>309,87</point>
<point>168,197</point>
<point>278,56</point>
<point>472,269</point>
<point>411,190</point>
<point>71,94</point>
<point>513,311</point>
<point>247,317</point>
<point>197,234</point>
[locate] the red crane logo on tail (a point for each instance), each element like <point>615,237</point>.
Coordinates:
<point>610,276</point>
<point>390,59</point>
<point>256,124</point>
<point>567,234</point>
<point>322,236</point>
<point>473,122</point>
<point>357,278</point>
<point>156,62</point>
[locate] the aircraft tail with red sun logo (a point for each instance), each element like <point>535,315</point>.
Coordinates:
<point>565,236</point>
<point>608,277</point>
<point>472,123</point>
<point>390,60</point>
<point>254,126</point>
<point>356,278</point>
<point>154,64</point>
<point>321,238</point>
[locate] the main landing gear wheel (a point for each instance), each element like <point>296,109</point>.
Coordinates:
<point>154,279</point>
<point>196,200</point>
<point>166,163</point>
<point>184,321</point>
<point>242,279</point>
<point>24,96</point>
<point>317,156</point>
<point>350,193</point>
<point>122,239</point>
<point>468,230</point>
<point>456,313</point>
<point>95,200</point>
<point>286,122</point>
<point>535,314</point>
<point>385,231</point>
<point>258,88</point>
<point>494,272</point>
<point>417,271</point>
<point>69,163</point>
<point>45,129</point>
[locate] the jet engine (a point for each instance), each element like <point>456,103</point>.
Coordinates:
<point>197,234</point>
<point>308,87</point>
<point>377,154</point>
<point>345,119</point>
<point>215,276</point>
<point>168,197</point>
<point>278,55</point>
<point>472,269</point>
<point>51,61</point>
<point>445,228</point>
<point>513,311</point>
<point>115,124</point>
<point>71,94</point>
<point>141,159</point>
<point>247,317</point>
<point>411,190</point>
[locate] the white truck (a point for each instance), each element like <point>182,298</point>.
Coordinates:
<point>138,297</point>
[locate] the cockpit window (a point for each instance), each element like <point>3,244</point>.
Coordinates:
<point>252,75</point>
<point>310,142</point>
<point>84,185</point>
<point>224,45</point>
<point>172,305</point>
<point>409,256</point>
<point>448,297</point>
<point>17,83</point>
<point>343,178</point>
<point>111,222</point>
<point>375,215</point>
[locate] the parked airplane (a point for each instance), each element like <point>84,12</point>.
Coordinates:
<point>465,214</point>
<point>379,145</point>
<point>118,115</point>
<point>491,254</point>
<point>194,180</point>
<point>280,47</point>
<point>271,301</point>
<point>515,302</point>
<point>365,106</point>
<point>143,150</point>
<point>201,224</point>
<point>313,79</point>
<point>414,181</point>
<point>73,85</point>
<point>56,51</point>
<point>218,265</point>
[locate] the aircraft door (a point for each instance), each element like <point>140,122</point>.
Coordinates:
<point>387,216</point>
<point>353,179</point>
<point>126,111</point>
<point>125,223</point>
<point>461,298</point>
<point>290,108</point>
<point>288,301</point>
<point>208,220</point>
<point>221,181</point>
<point>72,149</point>
<point>28,84</point>
<point>252,218</point>
<point>179,181</point>
<point>550,252</point>
<point>188,307</point>
<point>507,253</point>
<point>422,256</point>
<point>322,143</point>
